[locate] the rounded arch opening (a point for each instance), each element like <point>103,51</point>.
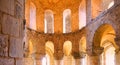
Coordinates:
<point>82,44</point>
<point>66,21</point>
<point>49,58</point>
<point>49,21</point>
<point>101,32</point>
<point>67,48</point>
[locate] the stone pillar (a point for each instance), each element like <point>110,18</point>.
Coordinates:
<point>58,58</point>
<point>88,11</point>
<point>117,57</point>
<point>38,59</point>
<point>58,62</point>
<point>94,56</point>
<point>93,60</point>
<point>80,60</point>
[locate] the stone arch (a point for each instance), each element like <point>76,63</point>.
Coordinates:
<point>67,48</point>
<point>66,21</point>
<point>49,21</point>
<point>108,56</point>
<point>105,29</point>
<point>49,47</point>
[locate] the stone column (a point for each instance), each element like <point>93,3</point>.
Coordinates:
<point>58,58</point>
<point>93,60</point>
<point>94,56</point>
<point>38,59</point>
<point>88,11</point>
<point>117,54</point>
<point>80,60</point>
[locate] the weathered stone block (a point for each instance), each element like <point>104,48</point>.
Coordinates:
<point>8,8</point>
<point>16,47</point>
<point>6,61</point>
<point>28,61</point>
<point>19,61</point>
<point>19,11</point>
<point>10,26</point>
<point>3,45</point>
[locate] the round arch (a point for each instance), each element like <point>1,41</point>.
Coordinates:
<point>103,30</point>
<point>67,48</point>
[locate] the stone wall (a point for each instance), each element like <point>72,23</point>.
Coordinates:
<point>11,32</point>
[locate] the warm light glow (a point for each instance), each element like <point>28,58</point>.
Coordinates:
<point>67,47</point>
<point>111,4</point>
<point>49,22</point>
<point>44,61</point>
<point>32,16</point>
<point>66,21</point>
<point>110,54</point>
<point>82,14</point>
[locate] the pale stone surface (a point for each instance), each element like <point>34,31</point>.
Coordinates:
<point>3,45</point>
<point>59,62</point>
<point>8,8</point>
<point>10,26</point>
<point>16,47</point>
<point>6,61</point>
<point>28,61</point>
<point>117,58</point>
<point>19,61</point>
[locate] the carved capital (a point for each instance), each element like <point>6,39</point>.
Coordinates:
<point>58,55</point>
<point>117,50</point>
<point>97,50</point>
<point>38,56</point>
<point>82,54</point>
<point>117,40</point>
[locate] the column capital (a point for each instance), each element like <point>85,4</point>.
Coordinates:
<point>97,50</point>
<point>117,40</point>
<point>58,55</point>
<point>78,55</point>
<point>38,56</point>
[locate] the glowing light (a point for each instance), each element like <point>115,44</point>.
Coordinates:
<point>111,4</point>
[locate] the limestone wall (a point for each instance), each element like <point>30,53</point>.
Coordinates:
<point>11,32</point>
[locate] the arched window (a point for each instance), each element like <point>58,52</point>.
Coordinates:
<point>67,49</point>
<point>67,21</point>
<point>49,21</point>
<point>32,24</point>
<point>82,14</point>
<point>49,58</point>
